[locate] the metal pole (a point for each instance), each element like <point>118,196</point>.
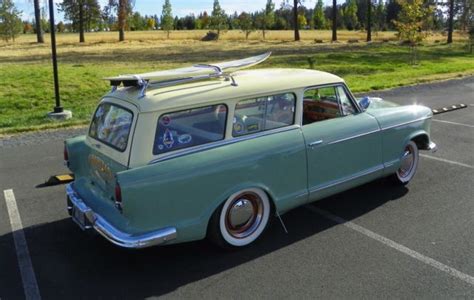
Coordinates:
<point>57,108</point>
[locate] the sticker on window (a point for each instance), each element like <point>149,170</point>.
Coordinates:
<point>183,129</point>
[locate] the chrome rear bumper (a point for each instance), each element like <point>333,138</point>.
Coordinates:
<point>86,218</point>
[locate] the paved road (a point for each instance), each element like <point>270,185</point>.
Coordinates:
<point>409,242</point>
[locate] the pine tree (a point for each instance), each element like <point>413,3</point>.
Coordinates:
<point>218,18</point>
<point>268,17</point>
<point>84,14</point>
<point>10,21</point>
<point>295,20</point>
<point>39,30</point>
<point>380,16</point>
<point>124,10</point>
<point>318,17</point>
<point>167,21</point>
<point>334,20</point>
<point>369,20</point>
<point>350,15</point>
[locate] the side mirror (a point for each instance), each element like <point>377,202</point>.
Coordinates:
<point>364,102</point>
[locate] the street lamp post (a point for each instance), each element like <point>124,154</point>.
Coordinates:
<point>58,113</point>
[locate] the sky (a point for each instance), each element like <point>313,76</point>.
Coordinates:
<point>180,7</point>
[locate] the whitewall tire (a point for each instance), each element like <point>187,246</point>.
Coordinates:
<point>241,219</point>
<point>408,164</point>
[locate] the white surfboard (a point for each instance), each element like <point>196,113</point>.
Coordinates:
<point>199,70</point>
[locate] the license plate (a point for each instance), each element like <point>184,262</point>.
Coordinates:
<point>79,217</point>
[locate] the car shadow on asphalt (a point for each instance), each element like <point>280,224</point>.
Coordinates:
<point>73,264</point>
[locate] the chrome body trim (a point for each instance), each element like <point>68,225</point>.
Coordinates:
<point>221,143</point>
<point>315,143</point>
<point>264,133</point>
<point>109,232</point>
<point>349,178</point>
<point>406,123</point>
<point>353,137</point>
<point>389,164</point>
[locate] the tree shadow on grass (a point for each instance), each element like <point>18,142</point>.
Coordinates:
<point>177,55</point>
<point>74,264</point>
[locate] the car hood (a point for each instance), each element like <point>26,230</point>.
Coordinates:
<point>375,103</point>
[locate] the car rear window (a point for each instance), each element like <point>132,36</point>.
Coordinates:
<point>111,125</point>
<point>187,128</point>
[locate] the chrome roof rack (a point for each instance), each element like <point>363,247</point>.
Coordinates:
<point>185,75</point>
<point>143,84</point>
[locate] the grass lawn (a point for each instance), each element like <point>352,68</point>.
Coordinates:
<point>26,90</point>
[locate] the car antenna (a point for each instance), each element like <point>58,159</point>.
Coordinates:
<point>281,221</point>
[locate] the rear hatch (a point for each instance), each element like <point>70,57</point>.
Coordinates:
<point>107,149</point>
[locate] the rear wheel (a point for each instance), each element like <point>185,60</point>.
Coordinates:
<point>241,219</point>
<point>408,164</point>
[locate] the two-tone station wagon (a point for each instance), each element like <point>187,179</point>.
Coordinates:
<point>214,151</point>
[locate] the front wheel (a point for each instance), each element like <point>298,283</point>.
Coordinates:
<point>408,164</point>
<point>241,219</point>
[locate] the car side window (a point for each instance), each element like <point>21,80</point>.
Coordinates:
<point>320,104</point>
<point>347,106</point>
<point>326,103</point>
<point>265,113</point>
<point>192,127</point>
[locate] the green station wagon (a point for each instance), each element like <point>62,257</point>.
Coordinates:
<point>216,151</point>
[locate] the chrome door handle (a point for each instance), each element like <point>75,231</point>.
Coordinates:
<point>315,143</point>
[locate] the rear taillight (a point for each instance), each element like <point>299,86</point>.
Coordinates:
<point>66,156</point>
<point>118,196</point>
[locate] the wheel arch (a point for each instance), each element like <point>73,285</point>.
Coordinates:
<point>421,139</point>
<point>241,187</point>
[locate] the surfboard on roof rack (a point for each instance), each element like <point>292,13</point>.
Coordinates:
<point>187,74</point>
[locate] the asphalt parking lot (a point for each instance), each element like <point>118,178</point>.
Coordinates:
<point>375,241</point>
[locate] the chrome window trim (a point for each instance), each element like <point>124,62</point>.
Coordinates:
<point>295,100</point>
<point>347,179</point>
<point>406,123</point>
<point>353,137</point>
<point>221,143</point>
<point>132,122</point>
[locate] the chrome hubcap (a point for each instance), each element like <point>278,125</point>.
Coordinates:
<point>244,215</point>
<point>240,213</point>
<point>407,162</point>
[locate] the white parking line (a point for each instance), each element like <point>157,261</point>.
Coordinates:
<point>416,255</point>
<point>30,286</point>
<point>454,123</point>
<point>447,161</point>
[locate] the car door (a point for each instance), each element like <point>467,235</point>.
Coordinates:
<point>343,144</point>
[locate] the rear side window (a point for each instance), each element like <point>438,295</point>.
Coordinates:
<point>111,125</point>
<point>263,113</point>
<point>187,128</point>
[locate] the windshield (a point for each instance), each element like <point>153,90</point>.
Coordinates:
<point>111,125</point>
